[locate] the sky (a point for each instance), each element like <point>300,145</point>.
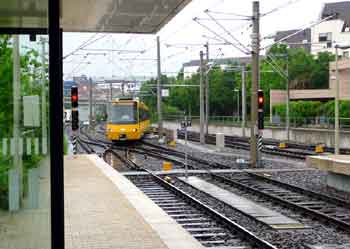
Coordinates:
<point>181,36</point>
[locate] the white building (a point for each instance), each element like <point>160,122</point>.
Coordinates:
<point>334,31</point>
<point>192,67</point>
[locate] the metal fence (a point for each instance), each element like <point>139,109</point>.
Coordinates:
<point>322,122</point>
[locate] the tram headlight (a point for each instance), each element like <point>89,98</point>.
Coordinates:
<point>134,130</point>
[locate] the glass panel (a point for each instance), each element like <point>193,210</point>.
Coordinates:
<point>23,13</point>
<point>24,152</point>
<point>123,113</point>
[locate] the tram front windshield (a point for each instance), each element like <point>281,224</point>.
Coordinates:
<point>123,113</point>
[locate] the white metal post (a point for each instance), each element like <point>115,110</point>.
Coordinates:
<point>287,104</point>
<point>237,109</point>
<point>207,109</point>
<point>244,112</point>
<point>159,93</point>
<point>186,138</point>
<point>201,100</point>
<point>336,139</point>
<point>90,105</point>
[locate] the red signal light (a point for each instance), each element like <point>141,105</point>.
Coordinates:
<point>74,97</point>
<point>260,99</point>
<point>260,110</point>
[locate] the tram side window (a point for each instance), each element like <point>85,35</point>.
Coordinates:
<point>143,115</point>
<point>146,115</point>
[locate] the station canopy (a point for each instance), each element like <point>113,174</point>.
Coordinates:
<point>112,16</point>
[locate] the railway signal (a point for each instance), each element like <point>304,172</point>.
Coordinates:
<point>74,96</point>
<point>261,102</point>
<point>75,117</point>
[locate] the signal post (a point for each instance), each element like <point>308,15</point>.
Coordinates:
<point>261,101</point>
<point>75,117</point>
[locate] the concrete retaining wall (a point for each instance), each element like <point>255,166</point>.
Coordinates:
<point>301,135</point>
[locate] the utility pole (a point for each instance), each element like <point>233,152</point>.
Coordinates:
<point>255,84</point>
<point>90,106</point>
<point>201,100</point>
<point>336,138</point>
<point>43,98</point>
<point>159,93</point>
<point>207,114</point>
<point>288,104</point>
<point>244,112</point>
<point>238,117</point>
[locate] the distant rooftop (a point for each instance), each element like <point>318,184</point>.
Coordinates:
<point>222,61</point>
<point>340,9</point>
<point>297,40</point>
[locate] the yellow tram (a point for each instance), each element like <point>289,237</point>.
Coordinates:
<point>128,119</point>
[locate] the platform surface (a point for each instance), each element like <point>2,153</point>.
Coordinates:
<point>105,210</point>
<point>339,164</point>
<point>269,217</point>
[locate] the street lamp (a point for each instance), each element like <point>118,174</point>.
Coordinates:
<point>336,121</point>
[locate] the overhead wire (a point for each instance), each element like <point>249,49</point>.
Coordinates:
<point>229,33</point>
<point>286,4</point>
<point>220,36</point>
<point>78,48</point>
<point>187,24</point>
<point>229,13</point>
<point>85,44</point>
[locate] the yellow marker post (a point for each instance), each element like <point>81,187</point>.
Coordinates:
<point>167,166</point>
<point>282,145</point>
<point>319,148</point>
<point>172,143</point>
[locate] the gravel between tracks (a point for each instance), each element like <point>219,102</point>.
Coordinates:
<point>228,156</point>
<point>313,180</point>
<point>287,239</point>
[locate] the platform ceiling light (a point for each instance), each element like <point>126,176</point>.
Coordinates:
<point>122,16</point>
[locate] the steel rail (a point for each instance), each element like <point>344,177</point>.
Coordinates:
<point>314,213</point>
<point>245,146</point>
<point>324,197</point>
<point>182,155</point>
<point>220,218</point>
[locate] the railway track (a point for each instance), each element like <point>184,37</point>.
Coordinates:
<point>310,148</point>
<point>212,228</point>
<point>321,207</point>
<point>326,208</point>
<point>243,144</point>
<point>147,146</point>
<point>205,224</point>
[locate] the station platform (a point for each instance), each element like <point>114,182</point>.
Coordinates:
<point>103,209</point>
<point>338,168</point>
